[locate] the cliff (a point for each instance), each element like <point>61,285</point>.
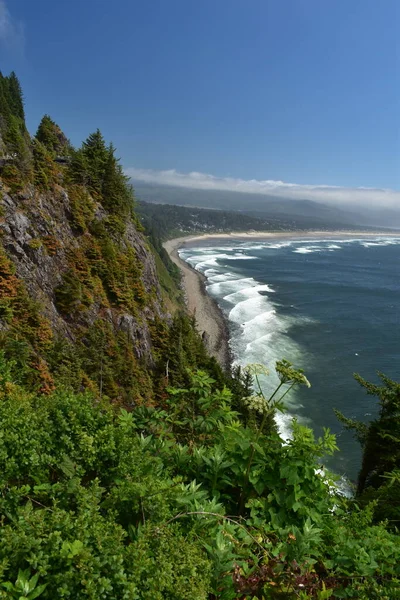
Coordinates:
<point>86,300</point>
<point>39,235</point>
<point>86,284</point>
<point>80,304</point>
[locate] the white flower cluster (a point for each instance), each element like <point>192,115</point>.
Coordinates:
<point>257,369</point>
<point>257,403</point>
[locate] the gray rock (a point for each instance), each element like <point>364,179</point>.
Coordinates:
<point>28,219</point>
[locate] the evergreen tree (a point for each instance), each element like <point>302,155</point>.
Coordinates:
<point>52,137</point>
<point>17,145</point>
<point>117,196</point>
<point>43,165</point>
<point>4,105</point>
<point>381,440</point>
<point>379,477</point>
<point>16,97</point>
<point>95,152</point>
<point>14,133</point>
<point>78,169</point>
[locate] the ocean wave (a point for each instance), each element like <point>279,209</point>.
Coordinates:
<point>380,242</point>
<point>307,249</point>
<point>239,256</point>
<point>248,292</point>
<point>203,262</point>
<point>218,277</point>
<point>258,333</point>
<point>277,246</point>
<point>228,286</point>
<point>247,310</point>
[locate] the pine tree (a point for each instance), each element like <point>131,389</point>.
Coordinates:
<point>115,191</point>
<point>95,152</point>
<point>78,171</point>
<point>44,171</point>
<point>17,145</point>
<point>380,439</point>
<point>52,137</point>
<point>16,97</point>
<point>4,105</point>
<point>381,444</point>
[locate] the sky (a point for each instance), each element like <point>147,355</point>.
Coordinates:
<point>298,97</point>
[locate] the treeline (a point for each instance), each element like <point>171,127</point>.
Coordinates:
<point>15,140</point>
<point>167,221</point>
<point>49,159</point>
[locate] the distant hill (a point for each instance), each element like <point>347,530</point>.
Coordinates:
<point>300,213</point>
<point>254,204</point>
<point>168,220</point>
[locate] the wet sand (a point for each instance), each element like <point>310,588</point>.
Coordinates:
<point>210,321</point>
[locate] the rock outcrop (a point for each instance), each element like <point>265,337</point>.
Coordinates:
<point>39,234</point>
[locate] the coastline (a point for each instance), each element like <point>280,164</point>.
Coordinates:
<point>209,317</point>
<point>176,243</point>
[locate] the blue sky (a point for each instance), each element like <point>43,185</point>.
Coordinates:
<point>298,91</point>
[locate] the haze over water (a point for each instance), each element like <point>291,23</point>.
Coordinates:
<point>329,305</point>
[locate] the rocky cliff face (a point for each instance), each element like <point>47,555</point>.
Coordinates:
<point>83,268</point>
<point>38,235</point>
<point>81,303</point>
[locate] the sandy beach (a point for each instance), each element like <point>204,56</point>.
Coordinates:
<point>209,318</point>
<point>208,315</point>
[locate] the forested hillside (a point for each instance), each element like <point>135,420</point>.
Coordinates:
<point>167,220</point>
<point>277,213</point>
<point>81,301</point>
<point>131,466</point>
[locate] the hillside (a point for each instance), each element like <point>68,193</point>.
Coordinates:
<point>132,467</point>
<point>279,212</point>
<point>81,300</point>
<point>171,220</point>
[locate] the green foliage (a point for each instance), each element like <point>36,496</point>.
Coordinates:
<point>116,193</point>
<point>11,99</point>
<point>15,96</point>
<point>94,166</point>
<point>82,207</point>
<point>44,171</point>
<point>26,334</point>
<point>25,587</point>
<point>104,503</point>
<point>380,440</point>
<point>95,152</point>
<point>78,168</point>
<point>69,293</point>
<point>164,221</point>
<point>16,151</point>
<point>52,138</point>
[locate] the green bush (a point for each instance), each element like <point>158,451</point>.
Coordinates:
<point>96,502</point>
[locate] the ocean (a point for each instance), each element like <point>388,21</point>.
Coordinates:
<point>330,305</point>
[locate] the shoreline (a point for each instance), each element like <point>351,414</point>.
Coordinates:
<point>210,321</point>
<point>176,243</point>
<point>209,317</point>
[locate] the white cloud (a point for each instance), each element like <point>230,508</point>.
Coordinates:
<point>363,197</point>
<point>12,34</point>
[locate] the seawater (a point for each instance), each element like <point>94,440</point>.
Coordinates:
<point>329,305</point>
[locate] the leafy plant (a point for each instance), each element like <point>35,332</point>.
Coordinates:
<point>25,587</point>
